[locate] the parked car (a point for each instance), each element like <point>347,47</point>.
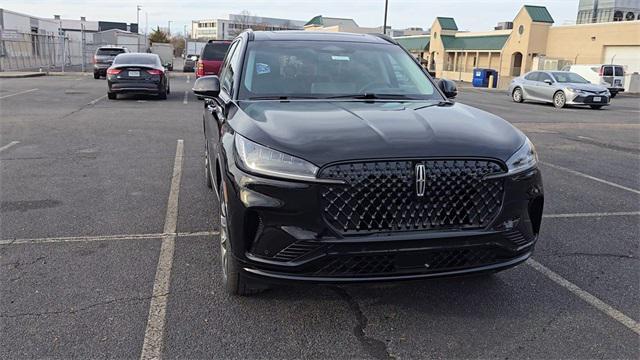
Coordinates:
<point>608,75</point>
<point>103,58</point>
<point>336,159</point>
<point>211,57</point>
<point>190,62</point>
<point>560,88</point>
<point>137,73</point>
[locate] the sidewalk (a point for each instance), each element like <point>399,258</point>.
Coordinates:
<point>20,74</point>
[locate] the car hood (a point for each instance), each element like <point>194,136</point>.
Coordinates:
<point>582,86</point>
<point>328,131</point>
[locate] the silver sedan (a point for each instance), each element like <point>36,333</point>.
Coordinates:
<point>560,88</point>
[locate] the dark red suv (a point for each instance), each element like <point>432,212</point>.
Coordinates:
<point>211,57</point>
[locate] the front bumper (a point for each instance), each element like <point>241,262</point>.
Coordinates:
<point>278,232</point>
<point>587,99</point>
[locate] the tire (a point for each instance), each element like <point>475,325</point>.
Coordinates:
<point>559,100</point>
<point>235,281</point>
<point>112,96</point>
<point>207,172</point>
<point>517,95</point>
<point>96,75</point>
<point>162,95</point>
<point>168,89</point>
<point>596,107</point>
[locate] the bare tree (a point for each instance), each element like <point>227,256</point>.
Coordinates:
<point>245,20</point>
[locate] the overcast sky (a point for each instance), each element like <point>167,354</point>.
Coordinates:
<point>476,15</point>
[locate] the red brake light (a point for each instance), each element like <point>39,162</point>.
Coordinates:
<point>113,71</point>
<point>200,68</point>
<point>154,72</point>
<point>95,59</point>
<point>601,70</point>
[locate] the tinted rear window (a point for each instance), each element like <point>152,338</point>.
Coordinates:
<point>215,51</point>
<point>111,52</point>
<point>137,59</point>
<point>608,71</point>
<point>619,71</point>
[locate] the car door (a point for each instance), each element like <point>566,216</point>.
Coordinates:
<point>529,85</point>
<point>544,87</point>
<point>215,114</point>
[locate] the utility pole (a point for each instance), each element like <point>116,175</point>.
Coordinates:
<point>138,25</point>
<point>169,27</point>
<point>185,42</point>
<point>386,6</point>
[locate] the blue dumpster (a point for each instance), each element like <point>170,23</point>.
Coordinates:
<point>481,77</point>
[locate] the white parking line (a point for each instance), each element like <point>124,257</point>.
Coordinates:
<point>18,93</point>
<point>188,78</point>
<point>186,94</point>
<point>154,333</point>
<point>94,101</point>
<point>600,214</point>
<point>592,300</point>
<point>591,177</point>
<point>9,145</point>
<point>66,239</point>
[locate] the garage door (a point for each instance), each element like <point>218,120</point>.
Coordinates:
<point>628,56</point>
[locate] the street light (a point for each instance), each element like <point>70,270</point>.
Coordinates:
<point>169,27</point>
<point>386,6</point>
<point>138,7</point>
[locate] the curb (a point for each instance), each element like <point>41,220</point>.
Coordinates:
<point>8,75</point>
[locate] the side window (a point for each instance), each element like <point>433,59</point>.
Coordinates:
<point>544,76</point>
<point>532,77</point>
<point>226,74</point>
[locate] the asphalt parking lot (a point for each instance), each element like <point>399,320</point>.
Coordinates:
<point>108,245</point>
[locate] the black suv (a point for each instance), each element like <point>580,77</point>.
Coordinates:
<point>337,158</point>
<point>103,58</point>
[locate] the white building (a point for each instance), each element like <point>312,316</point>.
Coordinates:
<point>225,29</point>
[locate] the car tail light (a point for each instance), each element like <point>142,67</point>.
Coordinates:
<point>154,72</point>
<point>95,59</point>
<point>200,69</point>
<point>601,72</point>
<point>113,71</point>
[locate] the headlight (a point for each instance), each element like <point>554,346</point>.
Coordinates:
<point>570,89</point>
<point>523,159</point>
<point>262,160</point>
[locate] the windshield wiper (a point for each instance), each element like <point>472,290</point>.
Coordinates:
<point>281,97</point>
<point>439,103</point>
<point>373,96</point>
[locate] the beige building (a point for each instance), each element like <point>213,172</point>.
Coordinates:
<point>533,43</point>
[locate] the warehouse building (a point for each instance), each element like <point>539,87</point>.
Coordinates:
<point>532,43</point>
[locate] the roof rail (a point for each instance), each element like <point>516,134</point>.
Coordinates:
<point>384,37</point>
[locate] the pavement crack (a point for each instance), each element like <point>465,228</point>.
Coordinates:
<point>85,308</point>
<point>374,347</point>
<point>604,255</point>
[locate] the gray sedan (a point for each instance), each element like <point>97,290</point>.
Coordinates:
<point>560,88</point>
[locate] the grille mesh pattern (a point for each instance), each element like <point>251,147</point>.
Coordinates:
<point>366,265</point>
<point>381,196</point>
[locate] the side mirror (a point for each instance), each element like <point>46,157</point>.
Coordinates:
<point>448,87</point>
<point>207,86</point>
<point>548,82</point>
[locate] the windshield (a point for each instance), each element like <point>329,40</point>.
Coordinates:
<point>215,51</point>
<point>141,59</point>
<point>569,77</point>
<point>322,69</point>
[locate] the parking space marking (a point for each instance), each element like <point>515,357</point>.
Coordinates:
<point>94,101</point>
<point>18,93</point>
<point>9,145</point>
<point>186,93</point>
<point>188,78</point>
<point>592,300</point>
<point>600,214</point>
<point>154,333</point>
<point>89,238</point>
<point>591,177</point>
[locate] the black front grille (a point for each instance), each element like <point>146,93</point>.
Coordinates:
<point>411,263</point>
<point>381,196</point>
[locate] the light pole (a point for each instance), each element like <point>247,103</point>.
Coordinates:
<point>169,27</point>
<point>185,42</point>
<point>138,7</point>
<point>386,6</point>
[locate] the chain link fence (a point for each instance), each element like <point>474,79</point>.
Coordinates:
<point>38,52</point>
